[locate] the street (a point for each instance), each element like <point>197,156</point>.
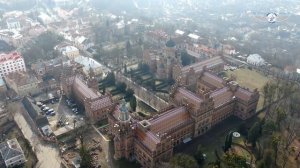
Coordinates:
<point>48,157</point>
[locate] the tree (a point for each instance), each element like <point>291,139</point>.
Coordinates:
<point>215,164</point>
<point>41,48</point>
<point>280,116</point>
<point>110,79</point>
<point>133,103</point>
<point>86,158</point>
<point>269,91</point>
<point>199,155</point>
<point>228,141</point>
<point>121,87</point>
<point>144,68</point>
<point>269,127</point>
<point>235,161</point>
<point>254,133</point>
<point>275,144</point>
<point>267,160</point>
<point>183,161</point>
<point>185,59</point>
<point>128,48</point>
<point>242,129</point>
<point>129,94</point>
<point>125,69</point>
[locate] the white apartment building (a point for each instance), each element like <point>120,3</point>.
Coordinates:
<point>12,62</point>
<point>13,24</point>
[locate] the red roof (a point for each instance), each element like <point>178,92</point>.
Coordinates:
<point>162,124</point>
<point>222,96</point>
<point>11,56</point>
<point>243,94</point>
<point>84,89</point>
<point>209,63</point>
<point>169,120</point>
<point>212,80</point>
<point>182,92</point>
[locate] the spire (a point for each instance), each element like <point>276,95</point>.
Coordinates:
<point>124,114</point>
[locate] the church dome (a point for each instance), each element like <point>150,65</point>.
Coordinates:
<point>170,43</point>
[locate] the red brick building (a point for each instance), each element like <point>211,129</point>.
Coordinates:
<point>96,105</point>
<point>195,111</point>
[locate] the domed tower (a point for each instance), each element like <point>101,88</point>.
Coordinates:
<point>124,133</point>
<point>170,57</point>
<point>170,49</point>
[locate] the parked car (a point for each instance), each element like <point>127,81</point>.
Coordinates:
<point>45,109</point>
<point>50,110</point>
<point>53,113</point>
<point>39,104</point>
<point>73,105</point>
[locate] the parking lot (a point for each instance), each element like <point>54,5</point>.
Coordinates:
<point>62,113</point>
<point>65,118</point>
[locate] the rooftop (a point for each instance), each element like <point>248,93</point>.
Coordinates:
<point>169,120</point>
<point>88,63</point>
<point>179,32</point>
<point>194,36</point>
<point>209,63</point>
<point>222,96</point>
<point>189,95</point>
<point>21,78</point>
<point>13,56</point>
<point>10,149</point>
<point>84,89</point>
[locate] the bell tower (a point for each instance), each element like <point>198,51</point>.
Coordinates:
<point>124,133</point>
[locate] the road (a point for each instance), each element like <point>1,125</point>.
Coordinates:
<point>48,156</point>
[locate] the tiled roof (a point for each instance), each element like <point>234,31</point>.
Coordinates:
<point>209,63</point>
<point>103,102</point>
<point>147,138</point>
<point>222,96</point>
<point>182,92</point>
<point>243,94</point>
<point>169,120</point>
<point>212,79</point>
<point>84,89</point>
<point>161,124</point>
<point>10,149</point>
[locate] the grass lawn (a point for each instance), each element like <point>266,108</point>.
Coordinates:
<point>250,79</point>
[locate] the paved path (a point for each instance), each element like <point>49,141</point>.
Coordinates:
<point>48,156</point>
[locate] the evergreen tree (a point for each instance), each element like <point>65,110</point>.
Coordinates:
<point>199,155</point>
<point>254,133</point>
<point>133,103</point>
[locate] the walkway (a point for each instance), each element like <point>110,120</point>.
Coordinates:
<point>48,156</point>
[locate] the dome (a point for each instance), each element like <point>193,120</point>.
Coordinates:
<point>170,43</point>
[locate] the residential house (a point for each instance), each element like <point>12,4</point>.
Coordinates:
<point>22,83</point>
<point>12,153</point>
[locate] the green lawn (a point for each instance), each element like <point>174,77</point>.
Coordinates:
<point>250,79</point>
